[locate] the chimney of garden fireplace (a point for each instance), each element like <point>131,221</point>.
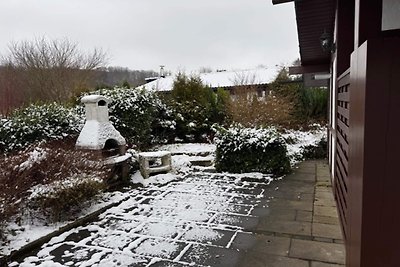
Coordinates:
<point>98,129</point>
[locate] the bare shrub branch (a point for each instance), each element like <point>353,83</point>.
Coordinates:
<point>52,70</point>
<point>45,165</point>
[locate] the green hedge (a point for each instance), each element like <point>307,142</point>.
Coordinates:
<point>317,151</point>
<point>37,123</point>
<point>314,102</point>
<point>139,115</point>
<point>196,108</point>
<point>242,150</point>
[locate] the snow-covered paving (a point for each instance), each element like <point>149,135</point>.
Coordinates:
<point>195,213</point>
<point>174,223</point>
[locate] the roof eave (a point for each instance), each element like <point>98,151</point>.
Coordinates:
<point>313,17</point>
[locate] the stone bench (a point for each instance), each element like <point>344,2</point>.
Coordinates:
<point>119,166</point>
<point>146,157</point>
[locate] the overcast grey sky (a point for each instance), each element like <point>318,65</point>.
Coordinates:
<point>142,34</point>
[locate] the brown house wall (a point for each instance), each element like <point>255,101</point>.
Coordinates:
<point>342,150</point>
<point>374,179</point>
<point>345,34</point>
<point>368,18</point>
<point>369,206</point>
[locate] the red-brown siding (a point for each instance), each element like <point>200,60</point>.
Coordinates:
<point>374,138</point>
<point>342,149</point>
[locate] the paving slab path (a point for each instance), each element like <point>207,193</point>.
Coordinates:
<point>211,219</point>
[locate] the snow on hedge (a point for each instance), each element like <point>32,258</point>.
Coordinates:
<point>241,149</point>
<point>298,140</point>
<point>239,137</point>
<point>140,115</point>
<point>37,123</point>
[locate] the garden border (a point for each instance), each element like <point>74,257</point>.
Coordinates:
<point>15,254</point>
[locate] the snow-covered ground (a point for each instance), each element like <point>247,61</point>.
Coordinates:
<point>31,228</point>
<point>172,223</point>
<point>156,223</point>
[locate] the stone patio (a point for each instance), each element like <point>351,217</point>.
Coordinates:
<point>300,227</point>
<point>290,222</point>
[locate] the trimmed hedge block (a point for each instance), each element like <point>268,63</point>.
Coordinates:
<point>241,150</point>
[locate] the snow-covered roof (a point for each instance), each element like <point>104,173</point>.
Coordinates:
<point>221,79</point>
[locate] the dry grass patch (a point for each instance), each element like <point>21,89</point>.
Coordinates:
<point>250,110</point>
<point>52,179</point>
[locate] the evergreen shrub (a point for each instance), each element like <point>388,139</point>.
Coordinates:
<point>39,122</point>
<point>196,108</point>
<point>314,102</point>
<point>140,116</point>
<point>318,151</point>
<point>308,104</point>
<point>242,150</point>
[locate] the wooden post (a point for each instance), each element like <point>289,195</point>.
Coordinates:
<point>368,21</point>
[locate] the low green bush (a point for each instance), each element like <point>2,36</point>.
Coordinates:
<point>242,150</point>
<point>314,102</point>
<point>140,116</point>
<point>318,151</point>
<point>196,108</point>
<point>37,123</point>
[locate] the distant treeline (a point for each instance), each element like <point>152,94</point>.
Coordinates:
<point>45,70</point>
<point>112,76</point>
<point>20,86</point>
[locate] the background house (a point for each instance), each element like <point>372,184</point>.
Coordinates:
<point>358,43</point>
<point>254,80</point>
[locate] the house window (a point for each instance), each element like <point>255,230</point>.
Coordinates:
<point>390,15</point>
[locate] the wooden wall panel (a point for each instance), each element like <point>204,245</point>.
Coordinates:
<point>373,217</point>
<point>341,172</point>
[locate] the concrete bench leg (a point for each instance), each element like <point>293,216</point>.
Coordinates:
<point>144,167</point>
<point>145,157</point>
<point>166,161</point>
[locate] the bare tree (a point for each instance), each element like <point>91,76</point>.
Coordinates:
<point>246,85</point>
<point>112,76</point>
<point>53,70</point>
<point>10,98</point>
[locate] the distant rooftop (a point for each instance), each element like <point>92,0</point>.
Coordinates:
<point>221,79</point>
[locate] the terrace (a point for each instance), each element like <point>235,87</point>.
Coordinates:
<point>203,218</point>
